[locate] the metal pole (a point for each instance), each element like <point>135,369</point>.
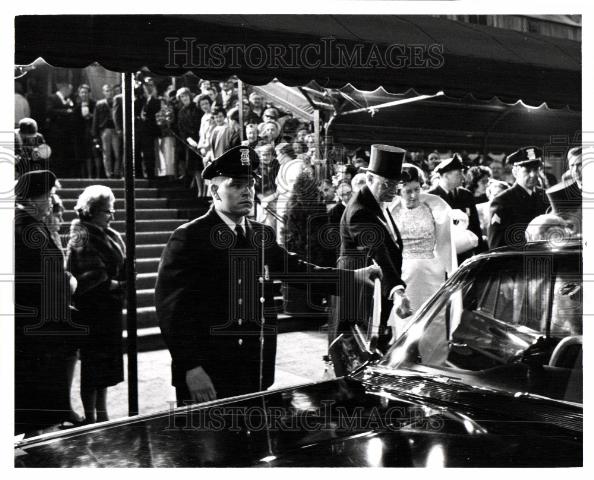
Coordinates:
<point>129,162</point>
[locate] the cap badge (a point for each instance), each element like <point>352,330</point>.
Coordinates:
<point>531,154</point>
<point>245,157</point>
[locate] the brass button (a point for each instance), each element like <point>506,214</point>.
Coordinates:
<point>240,342</point>
<point>240,301</point>
<point>239,321</point>
<point>261,279</point>
<point>239,281</point>
<point>262,299</point>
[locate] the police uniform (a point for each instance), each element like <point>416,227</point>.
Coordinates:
<point>462,199</point>
<point>214,295</point>
<point>513,209</point>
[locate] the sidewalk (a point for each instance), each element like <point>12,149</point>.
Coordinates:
<point>298,361</point>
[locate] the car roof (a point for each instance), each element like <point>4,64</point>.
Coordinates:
<point>544,246</point>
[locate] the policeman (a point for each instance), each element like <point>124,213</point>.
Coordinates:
<point>214,295</point>
<point>513,209</point>
<point>459,198</point>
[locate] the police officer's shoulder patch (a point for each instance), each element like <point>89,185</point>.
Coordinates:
<point>495,219</point>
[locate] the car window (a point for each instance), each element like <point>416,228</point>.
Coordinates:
<point>506,311</point>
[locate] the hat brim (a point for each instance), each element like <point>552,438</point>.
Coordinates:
<point>529,163</point>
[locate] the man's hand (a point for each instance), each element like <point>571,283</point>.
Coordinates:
<point>401,304</point>
<point>200,386</point>
<point>368,274</point>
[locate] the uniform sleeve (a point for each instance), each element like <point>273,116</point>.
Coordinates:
<point>185,336</point>
<point>290,267</point>
<point>474,225</point>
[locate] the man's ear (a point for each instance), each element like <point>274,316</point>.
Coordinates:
<point>214,190</point>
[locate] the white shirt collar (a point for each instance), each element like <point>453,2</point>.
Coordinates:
<point>230,223</point>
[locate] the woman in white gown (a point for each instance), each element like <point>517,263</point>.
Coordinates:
<point>428,255</point>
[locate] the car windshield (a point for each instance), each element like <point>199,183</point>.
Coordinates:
<point>511,322</point>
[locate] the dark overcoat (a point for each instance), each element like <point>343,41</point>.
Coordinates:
<point>43,327</point>
<point>215,298</point>
<point>365,238</point>
<point>511,212</point>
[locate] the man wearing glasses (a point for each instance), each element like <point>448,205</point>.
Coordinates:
<point>369,235</point>
<point>513,209</point>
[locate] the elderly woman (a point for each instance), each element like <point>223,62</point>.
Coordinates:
<point>424,222</point>
<point>96,256</point>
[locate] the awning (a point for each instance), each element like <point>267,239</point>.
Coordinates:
<point>397,52</point>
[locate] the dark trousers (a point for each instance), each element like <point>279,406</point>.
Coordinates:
<point>147,152</point>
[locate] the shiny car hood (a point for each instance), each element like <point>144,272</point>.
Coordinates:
<point>344,422</point>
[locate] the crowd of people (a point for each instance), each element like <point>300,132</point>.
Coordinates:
<point>417,219</point>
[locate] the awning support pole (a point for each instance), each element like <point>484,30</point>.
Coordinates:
<point>131,320</point>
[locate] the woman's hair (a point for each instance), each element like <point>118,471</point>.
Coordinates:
<point>91,199</point>
<point>181,91</point>
<point>412,173</point>
<point>474,176</point>
<point>203,96</point>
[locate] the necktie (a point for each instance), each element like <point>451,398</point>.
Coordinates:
<point>241,238</point>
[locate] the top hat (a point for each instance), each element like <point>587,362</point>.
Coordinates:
<point>386,161</point>
<point>450,164</point>
<point>240,161</point>
<point>525,157</point>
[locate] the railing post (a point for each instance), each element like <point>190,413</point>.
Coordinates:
<point>129,163</point>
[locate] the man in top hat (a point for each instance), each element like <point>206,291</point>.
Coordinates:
<point>42,315</point>
<point>369,234</point>
<point>214,294</point>
<point>459,198</point>
<point>513,209</point>
<point>566,196</point>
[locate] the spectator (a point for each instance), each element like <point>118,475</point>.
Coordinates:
<point>31,151</point>
<point>223,135</point>
<point>228,94</point>
<point>42,331</point>
<point>269,131</point>
<point>477,179</point>
<point>104,131</point>
<point>149,131</point>
<point>360,159</point>
<point>165,119</point>
<point>251,133</point>
<point>256,109</point>
<point>60,110</point>
<point>188,125</point>
<point>328,193</point>
<point>84,111</point>
<point>496,169</point>
<point>310,142</point>
<point>96,255</point>
<point>433,159</point>
<point>203,86</point>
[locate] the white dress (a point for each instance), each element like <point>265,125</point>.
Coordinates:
<point>427,254</point>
